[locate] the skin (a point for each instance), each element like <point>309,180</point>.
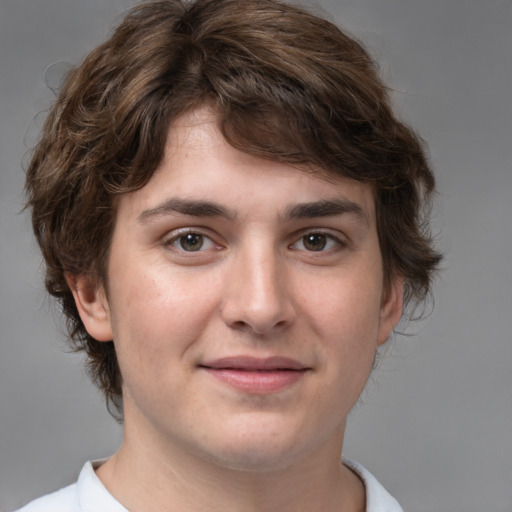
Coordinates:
<point>268,277</point>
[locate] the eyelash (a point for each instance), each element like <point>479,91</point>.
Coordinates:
<point>176,239</point>
<point>326,242</point>
<point>330,242</point>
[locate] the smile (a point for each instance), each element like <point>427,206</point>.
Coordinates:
<point>255,375</point>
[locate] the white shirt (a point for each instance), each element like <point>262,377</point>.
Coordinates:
<point>88,494</point>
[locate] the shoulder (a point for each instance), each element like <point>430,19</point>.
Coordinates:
<point>377,498</point>
<point>86,495</point>
<point>65,500</point>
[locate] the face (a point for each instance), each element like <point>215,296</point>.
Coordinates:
<point>246,303</point>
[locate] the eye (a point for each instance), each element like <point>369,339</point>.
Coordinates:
<point>317,242</point>
<point>191,241</point>
<point>314,242</point>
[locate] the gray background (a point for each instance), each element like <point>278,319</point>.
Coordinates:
<point>436,423</point>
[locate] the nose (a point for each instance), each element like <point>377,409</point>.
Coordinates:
<point>258,296</point>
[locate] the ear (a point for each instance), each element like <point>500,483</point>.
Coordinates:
<point>391,309</point>
<point>91,302</point>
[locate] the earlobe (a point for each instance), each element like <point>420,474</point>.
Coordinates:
<point>92,305</point>
<point>391,309</point>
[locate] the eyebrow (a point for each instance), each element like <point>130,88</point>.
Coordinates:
<point>187,207</point>
<point>195,208</point>
<point>327,208</point>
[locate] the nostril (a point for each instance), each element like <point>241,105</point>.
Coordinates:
<point>257,301</point>
<point>239,324</point>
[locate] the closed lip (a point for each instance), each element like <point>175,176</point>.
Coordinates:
<point>256,375</point>
<point>255,364</point>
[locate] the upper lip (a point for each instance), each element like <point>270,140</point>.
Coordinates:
<point>250,363</point>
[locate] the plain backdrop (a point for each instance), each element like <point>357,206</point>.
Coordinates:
<point>435,425</point>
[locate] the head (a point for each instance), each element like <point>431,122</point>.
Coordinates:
<point>285,86</point>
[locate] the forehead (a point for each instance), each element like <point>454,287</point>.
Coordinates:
<point>199,164</point>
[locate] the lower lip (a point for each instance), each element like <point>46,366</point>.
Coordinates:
<point>257,382</point>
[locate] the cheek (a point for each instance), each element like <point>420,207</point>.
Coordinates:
<point>344,314</point>
<point>159,312</point>
<point>346,308</point>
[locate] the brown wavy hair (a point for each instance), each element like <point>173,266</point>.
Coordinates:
<point>288,86</point>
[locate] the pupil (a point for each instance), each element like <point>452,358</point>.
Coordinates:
<point>191,242</point>
<point>315,242</point>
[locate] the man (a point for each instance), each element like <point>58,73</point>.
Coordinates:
<point>231,219</point>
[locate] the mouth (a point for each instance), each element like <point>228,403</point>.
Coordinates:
<point>256,375</point>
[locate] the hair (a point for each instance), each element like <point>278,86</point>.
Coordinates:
<point>287,86</point>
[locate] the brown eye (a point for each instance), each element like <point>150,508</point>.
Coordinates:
<point>191,242</point>
<point>186,240</point>
<point>315,242</point>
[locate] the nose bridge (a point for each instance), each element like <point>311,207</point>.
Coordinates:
<point>258,296</point>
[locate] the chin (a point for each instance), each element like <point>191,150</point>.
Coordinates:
<point>255,459</point>
<point>258,450</point>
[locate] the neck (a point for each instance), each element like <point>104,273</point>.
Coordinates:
<point>158,477</point>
